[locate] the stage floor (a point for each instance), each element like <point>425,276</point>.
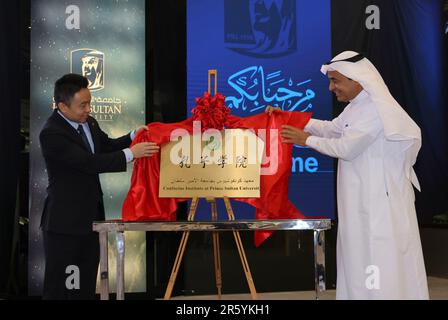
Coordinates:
<point>438,290</point>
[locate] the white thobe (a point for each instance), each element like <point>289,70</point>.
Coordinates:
<point>379,254</point>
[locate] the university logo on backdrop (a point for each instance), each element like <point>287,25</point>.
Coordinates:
<point>91,64</point>
<point>264,29</point>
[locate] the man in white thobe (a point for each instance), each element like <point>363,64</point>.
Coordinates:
<point>379,254</point>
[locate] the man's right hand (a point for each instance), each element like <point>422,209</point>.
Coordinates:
<point>269,110</point>
<point>144,149</point>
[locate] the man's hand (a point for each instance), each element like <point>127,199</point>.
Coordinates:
<point>290,134</point>
<point>144,149</point>
<point>140,128</point>
<point>269,110</point>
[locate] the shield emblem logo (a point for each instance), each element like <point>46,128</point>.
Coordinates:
<point>261,28</point>
<point>90,64</point>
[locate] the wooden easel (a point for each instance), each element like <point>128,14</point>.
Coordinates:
<point>215,235</point>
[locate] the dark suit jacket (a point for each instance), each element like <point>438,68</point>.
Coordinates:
<point>74,198</point>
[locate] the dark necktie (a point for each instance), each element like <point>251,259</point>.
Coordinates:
<point>84,137</point>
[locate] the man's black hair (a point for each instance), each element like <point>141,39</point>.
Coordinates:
<point>67,86</point>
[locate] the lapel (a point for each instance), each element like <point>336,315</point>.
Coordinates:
<point>68,129</point>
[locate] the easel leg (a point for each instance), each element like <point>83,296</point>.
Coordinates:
<point>216,251</point>
<point>241,251</point>
<point>180,251</point>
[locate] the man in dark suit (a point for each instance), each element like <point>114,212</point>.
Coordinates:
<point>76,151</point>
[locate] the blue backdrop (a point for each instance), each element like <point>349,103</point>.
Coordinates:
<point>268,52</point>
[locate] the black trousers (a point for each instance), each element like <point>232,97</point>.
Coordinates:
<point>65,255</point>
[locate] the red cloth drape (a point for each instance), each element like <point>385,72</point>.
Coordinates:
<point>142,201</point>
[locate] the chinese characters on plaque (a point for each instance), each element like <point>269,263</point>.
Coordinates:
<point>212,164</point>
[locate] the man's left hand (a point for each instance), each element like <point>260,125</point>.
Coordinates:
<point>290,134</point>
